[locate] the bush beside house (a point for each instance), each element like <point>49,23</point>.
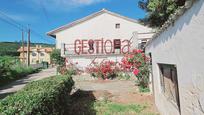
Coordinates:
<point>135,62</point>
<point>49,96</point>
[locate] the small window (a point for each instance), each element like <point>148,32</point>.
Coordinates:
<point>34,54</point>
<point>42,54</point>
<point>142,44</point>
<point>169,83</point>
<point>117,26</point>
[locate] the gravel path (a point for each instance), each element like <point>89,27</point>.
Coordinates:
<point>19,84</point>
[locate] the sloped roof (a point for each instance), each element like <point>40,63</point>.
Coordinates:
<point>53,32</point>
<point>46,49</point>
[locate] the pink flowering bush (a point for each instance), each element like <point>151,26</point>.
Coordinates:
<point>137,62</point>
<point>104,70</point>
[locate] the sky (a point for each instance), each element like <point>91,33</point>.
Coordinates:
<point>45,15</point>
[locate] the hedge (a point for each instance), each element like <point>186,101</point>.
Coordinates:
<point>49,96</point>
<point>11,70</point>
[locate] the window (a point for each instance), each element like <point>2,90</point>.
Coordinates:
<point>117,26</point>
<point>42,54</point>
<point>41,60</point>
<point>169,83</point>
<point>34,54</point>
<point>142,44</point>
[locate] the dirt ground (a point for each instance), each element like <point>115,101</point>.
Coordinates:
<point>118,91</point>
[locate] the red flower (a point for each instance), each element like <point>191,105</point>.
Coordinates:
<point>136,71</point>
<point>136,51</point>
<point>139,51</point>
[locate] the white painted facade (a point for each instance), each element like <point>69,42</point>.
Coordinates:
<point>96,26</point>
<point>182,44</point>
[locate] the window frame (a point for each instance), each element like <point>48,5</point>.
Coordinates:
<point>34,53</point>
<point>117,26</point>
<point>176,100</point>
<point>41,54</point>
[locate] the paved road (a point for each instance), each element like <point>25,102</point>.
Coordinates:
<point>19,84</point>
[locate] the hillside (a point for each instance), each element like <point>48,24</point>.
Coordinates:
<point>10,48</point>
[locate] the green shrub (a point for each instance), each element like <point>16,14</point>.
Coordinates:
<point>144,89</point>
<point>123,76</point>
<point>11,70</point>
<point>49,96</point>
<point>6,63</point>
<point>71,71</point>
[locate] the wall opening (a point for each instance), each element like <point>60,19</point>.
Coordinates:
<point>117,26</point>
<point>169,83</point>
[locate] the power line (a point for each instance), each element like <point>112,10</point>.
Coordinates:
<point>11,21</point>
<point>40,36</point>
<point>45,12</point>
<point>12,24</point>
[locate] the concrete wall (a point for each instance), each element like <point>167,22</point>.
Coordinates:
<point>182,45</point>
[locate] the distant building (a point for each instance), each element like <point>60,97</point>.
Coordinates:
<point>102,33</point>
<point>177,52</point>
<point>38,54</point>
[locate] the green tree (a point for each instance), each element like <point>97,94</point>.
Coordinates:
<point>158,11</point>
<point>56,57</point>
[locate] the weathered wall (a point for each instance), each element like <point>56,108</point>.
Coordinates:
<point>182,45</point>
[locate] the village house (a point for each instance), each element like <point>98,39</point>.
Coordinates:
<point>101,35</point>
<point>38,54</point>
<point>177,52</point>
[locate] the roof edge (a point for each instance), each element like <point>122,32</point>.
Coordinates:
<point>69,25</point>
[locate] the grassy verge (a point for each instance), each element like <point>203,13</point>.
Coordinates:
<point>49,96</point>
<point>11,70</point>
<point>16,73</point>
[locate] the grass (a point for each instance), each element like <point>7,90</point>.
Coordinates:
<point>85,103</point>
<point>144,89</point>
<point>111,108</point>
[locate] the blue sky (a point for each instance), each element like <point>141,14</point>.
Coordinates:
<point>45,15</point>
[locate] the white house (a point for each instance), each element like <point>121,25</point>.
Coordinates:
<point>103,33</point>
<point>177,52</point>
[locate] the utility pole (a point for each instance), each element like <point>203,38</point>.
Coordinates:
<point>23,46</point>
<point>28,48</point>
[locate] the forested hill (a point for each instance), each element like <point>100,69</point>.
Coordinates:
<point>10,48</point>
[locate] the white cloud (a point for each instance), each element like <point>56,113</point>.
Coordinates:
<point>64,5</point>
<point>86,2</point>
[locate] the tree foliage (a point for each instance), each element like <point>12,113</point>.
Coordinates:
<point>56,57</point>
<point>158,11</point>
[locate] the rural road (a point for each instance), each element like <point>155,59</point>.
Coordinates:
<point>19,84</point>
